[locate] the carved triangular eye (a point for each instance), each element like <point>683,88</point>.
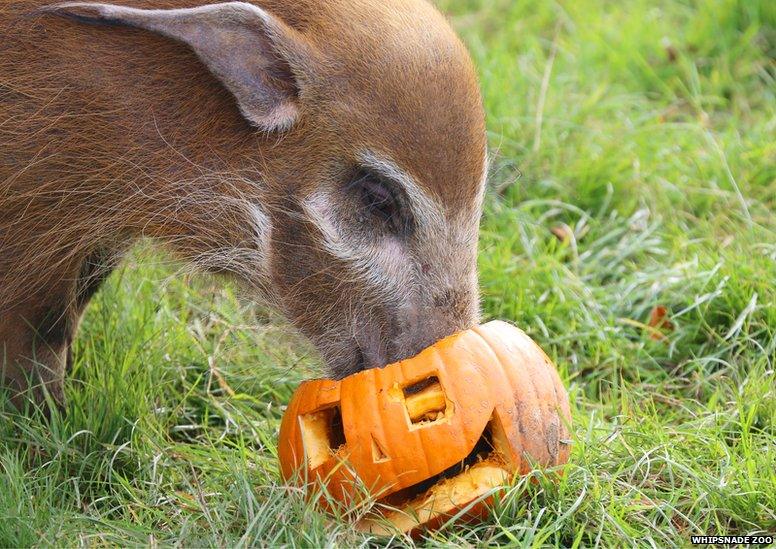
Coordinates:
<point>322,434</point>
<point>378,454</point>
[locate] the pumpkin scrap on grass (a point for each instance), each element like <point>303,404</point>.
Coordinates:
<point>432,435</point>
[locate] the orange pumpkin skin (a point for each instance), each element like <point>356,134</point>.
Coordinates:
<point>493,378</point>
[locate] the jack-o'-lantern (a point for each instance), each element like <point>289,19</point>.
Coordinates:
<point>431,434</point>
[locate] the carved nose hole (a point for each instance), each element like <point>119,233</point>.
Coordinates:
<point>378,454</point>
<point>426,401</point>
<point>322,434</point>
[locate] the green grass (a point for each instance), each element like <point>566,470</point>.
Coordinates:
<point>644,131</point>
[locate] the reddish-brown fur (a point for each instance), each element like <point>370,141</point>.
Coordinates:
<point>112,133</point>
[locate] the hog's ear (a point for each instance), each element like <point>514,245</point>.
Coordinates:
<point>256,56</point>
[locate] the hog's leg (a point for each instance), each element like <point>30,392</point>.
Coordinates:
<point>35,338</point>
<point>95,268</point>
<point>36,332</point>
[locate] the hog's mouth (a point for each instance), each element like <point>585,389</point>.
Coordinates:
<point>431,502</point>
<point>358,356</point>
<point>359,360</point>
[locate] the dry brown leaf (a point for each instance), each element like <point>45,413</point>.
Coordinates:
<point>658,319</point>
<point>563,232</point>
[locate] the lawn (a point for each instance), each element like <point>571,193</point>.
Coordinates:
<point>633,174</point>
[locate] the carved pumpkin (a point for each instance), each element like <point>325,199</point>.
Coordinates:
<point>431,434</point>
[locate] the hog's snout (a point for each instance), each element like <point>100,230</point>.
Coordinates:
<point>415,326</point>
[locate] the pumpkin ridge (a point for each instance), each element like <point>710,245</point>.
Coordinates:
<point>540,405</point>
<point>381,418</point>
<point>558,408</point>
<point>362,446</point>
<point>548,374</point>
<point>520,451</point>
<point>537,401</point>
<point>561,395</point>
<point>405,367</point>
<point>444,376</point>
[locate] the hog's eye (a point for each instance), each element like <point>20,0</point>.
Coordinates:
<point>380,199</point>
<point>377,198</point>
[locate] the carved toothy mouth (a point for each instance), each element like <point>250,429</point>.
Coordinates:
<point>429,503</point>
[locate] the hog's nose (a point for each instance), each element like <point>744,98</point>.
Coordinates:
<point>422,326</point>
<point>424,333</point>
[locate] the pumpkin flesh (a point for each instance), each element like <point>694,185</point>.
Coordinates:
<point>440,502</point>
